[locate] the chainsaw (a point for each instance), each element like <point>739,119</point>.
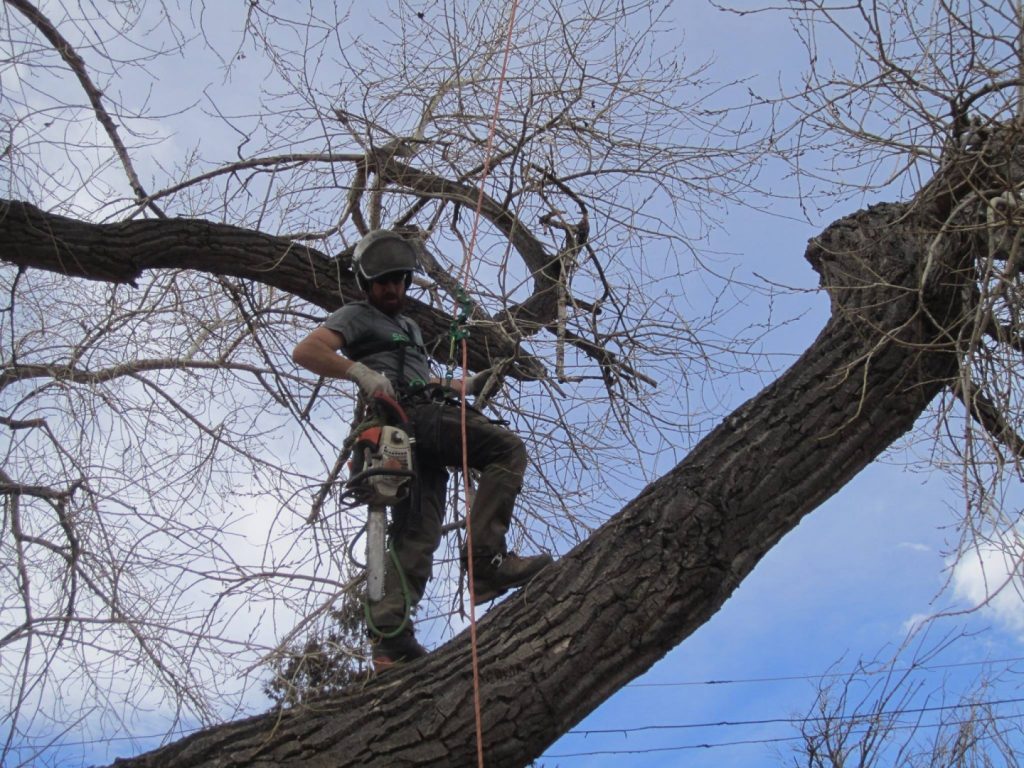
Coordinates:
<point>380,475</point>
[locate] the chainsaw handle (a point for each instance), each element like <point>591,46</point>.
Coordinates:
<point>385,402</point>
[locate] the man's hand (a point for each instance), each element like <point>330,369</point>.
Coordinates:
<point>369,381</point>
<point>475,384</point>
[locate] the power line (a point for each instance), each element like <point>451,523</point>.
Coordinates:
<point>827,675</point>
<point>679,748</point>
<point>797,720</point>
<point>679,726</point>
<point>849,737</point>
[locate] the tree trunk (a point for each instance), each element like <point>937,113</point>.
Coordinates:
<point>660,568</point>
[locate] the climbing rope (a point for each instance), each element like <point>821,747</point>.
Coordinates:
<point>464,308</point>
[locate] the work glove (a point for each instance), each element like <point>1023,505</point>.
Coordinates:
<point>474,385</point>
<point>370,382</point>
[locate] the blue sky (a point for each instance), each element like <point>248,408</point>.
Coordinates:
<point>844,586</point>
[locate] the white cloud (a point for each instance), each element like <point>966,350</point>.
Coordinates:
<point>916,622</point>
<point>914,546</point>
<point>989,578</point>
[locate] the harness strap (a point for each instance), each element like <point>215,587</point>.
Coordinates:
<point>399,343</point>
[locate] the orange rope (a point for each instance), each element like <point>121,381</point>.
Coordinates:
<point>465,360</point>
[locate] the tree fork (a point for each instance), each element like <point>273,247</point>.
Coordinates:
<point>667,562</point>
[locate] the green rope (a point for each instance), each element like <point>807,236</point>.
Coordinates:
<point>407,614</point>
<point>457,331</point>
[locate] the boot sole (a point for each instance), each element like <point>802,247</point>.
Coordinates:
<point>384,663</point>
<point>487,594</point>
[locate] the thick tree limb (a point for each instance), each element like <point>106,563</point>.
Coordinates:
<point>122,252</point>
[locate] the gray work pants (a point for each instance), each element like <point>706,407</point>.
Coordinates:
<point>496,452</point>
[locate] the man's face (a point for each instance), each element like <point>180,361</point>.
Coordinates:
<point>387,293</point>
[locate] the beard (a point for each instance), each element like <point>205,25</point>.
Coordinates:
<point>390,302</point>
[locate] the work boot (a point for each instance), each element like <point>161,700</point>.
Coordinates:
<point>496,575</point>
<point>388,651</point>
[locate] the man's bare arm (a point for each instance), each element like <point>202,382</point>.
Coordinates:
<point>319,353</point>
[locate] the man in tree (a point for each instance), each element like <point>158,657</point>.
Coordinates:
<point>382,352</point>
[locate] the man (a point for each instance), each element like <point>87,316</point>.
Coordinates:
<point>382,351</point>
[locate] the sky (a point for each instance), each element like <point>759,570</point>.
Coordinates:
<point>846,587</point>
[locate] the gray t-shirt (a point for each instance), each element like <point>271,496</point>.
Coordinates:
<point>390,345</point>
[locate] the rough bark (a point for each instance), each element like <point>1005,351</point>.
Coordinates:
<point>660,568</point>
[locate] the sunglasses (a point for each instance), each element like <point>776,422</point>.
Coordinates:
<point>390,278</point>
